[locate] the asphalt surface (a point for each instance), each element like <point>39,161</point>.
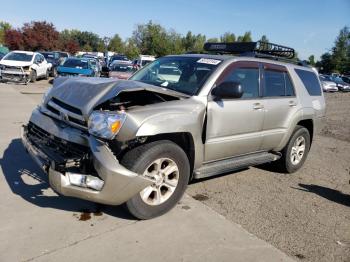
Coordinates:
<point>306,214</point>
<point>36,224</point>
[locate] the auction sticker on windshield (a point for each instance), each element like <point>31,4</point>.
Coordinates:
<point>209,61</point>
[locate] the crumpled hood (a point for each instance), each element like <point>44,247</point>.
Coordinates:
<point>85,93</point>
<point>15,63</point>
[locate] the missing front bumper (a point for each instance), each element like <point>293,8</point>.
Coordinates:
<point>119,183</point>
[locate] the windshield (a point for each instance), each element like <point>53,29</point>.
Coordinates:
<point>122,58</point>
<point>182,74</point>
<point>14,56</point>
<point>123,68</point>
<point>76,63</point>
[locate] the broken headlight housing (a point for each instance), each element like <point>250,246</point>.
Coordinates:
<point>105,124</point>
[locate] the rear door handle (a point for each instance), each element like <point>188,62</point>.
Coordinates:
<point>292,103</point>
<point>258,106</point>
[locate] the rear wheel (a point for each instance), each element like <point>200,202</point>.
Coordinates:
<point>167,164</point>
<point>296,151</point>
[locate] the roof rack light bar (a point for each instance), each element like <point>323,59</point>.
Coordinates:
<point>258,47</point>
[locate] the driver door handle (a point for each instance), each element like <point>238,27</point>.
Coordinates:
<point>258,106</point>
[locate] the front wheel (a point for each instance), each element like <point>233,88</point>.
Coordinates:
<point>296,151</point>
<point>33,76</point>
<point>167,164</point>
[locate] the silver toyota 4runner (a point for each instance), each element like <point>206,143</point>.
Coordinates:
<point>182,117</point>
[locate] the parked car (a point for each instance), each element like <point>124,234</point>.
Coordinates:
<point>23,66</point>
<point>76,67</point>
<point>63,55</point>
<point>122,70</point>
<point>143,60</point>
<point>141,141</point>
<point>55,59</point>
<point>341,84</point>
<point>116,58</point>
<point>328,85</point>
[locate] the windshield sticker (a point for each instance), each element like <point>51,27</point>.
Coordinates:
<point>209,61</point>
<point>166,83</point>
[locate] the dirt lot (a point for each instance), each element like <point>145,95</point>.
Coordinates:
<point>307,214</point>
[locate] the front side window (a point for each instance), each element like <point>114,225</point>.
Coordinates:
<point>182,74</point>
<point>249,80</point>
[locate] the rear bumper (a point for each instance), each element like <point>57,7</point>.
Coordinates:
<point>120,184</point>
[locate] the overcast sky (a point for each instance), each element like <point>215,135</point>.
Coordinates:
<point>309,26</point>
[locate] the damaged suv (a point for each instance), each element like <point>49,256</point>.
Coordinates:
<point>140,141</point>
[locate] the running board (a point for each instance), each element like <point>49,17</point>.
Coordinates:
<point>232,164</point>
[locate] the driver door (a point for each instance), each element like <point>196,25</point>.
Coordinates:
<point>234,126</point>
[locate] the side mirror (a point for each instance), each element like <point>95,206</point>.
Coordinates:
<point>228,90</point>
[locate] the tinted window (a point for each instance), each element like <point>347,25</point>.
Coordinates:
<point>249,80</point>
<point>277,84</point>
<point>274,83</point>
<point>289,86</point>
<point>310,82</point>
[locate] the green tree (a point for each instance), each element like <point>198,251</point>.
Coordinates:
<point>228,37</point>
<point>311,60</point>
<point>131,50</point>
<point>247,37</point>
<point>340,55</point>
<point>325,65</point>
<point>116,44</point>
<point>192,42</point>
<point>3,27</point>
<point>213,40</point>
<point>151,39</point>
<point>264,39</point>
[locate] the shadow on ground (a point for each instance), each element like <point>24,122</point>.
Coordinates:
<point>328,193</point>
<point>17,166</point>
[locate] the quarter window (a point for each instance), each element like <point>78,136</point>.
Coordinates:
<point>310,82</point>
<point>249,80</point>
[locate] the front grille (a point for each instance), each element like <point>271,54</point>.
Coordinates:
<point>66,113</point>
<point>64,148</point>
<point>66,106</point>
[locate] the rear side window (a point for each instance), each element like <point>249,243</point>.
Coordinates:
<point>310,82</point>
<point>277,83</point>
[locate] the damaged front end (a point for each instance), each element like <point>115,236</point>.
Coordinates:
<point>75,144</point>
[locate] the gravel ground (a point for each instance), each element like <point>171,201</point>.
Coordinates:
<point>306,214</point>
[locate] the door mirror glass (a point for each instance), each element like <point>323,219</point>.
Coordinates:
<point>228,90</point>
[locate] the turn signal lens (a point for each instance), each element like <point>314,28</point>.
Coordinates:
<point>115,126</point>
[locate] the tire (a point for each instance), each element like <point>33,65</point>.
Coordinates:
<point>144,160</point>
<point>33,76</point>
<point>46,77</point>
<point>54,72</point>
<point>289,153</point>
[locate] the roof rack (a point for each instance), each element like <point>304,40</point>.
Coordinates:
<point>249,48</point>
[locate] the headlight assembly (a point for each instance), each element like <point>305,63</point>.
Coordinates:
<point>105,124</point>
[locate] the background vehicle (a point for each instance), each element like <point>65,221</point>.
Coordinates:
<point>76,67</point>
<point>341,84</point>
<point>328,85</point>
<point>143,60</point>
<point>116,58</point>
<point>54,59</point>
<point>141,141</point>
<point>23,66</point>
<point>122,70</point>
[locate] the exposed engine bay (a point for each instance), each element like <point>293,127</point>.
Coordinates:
<point>130,99</point>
